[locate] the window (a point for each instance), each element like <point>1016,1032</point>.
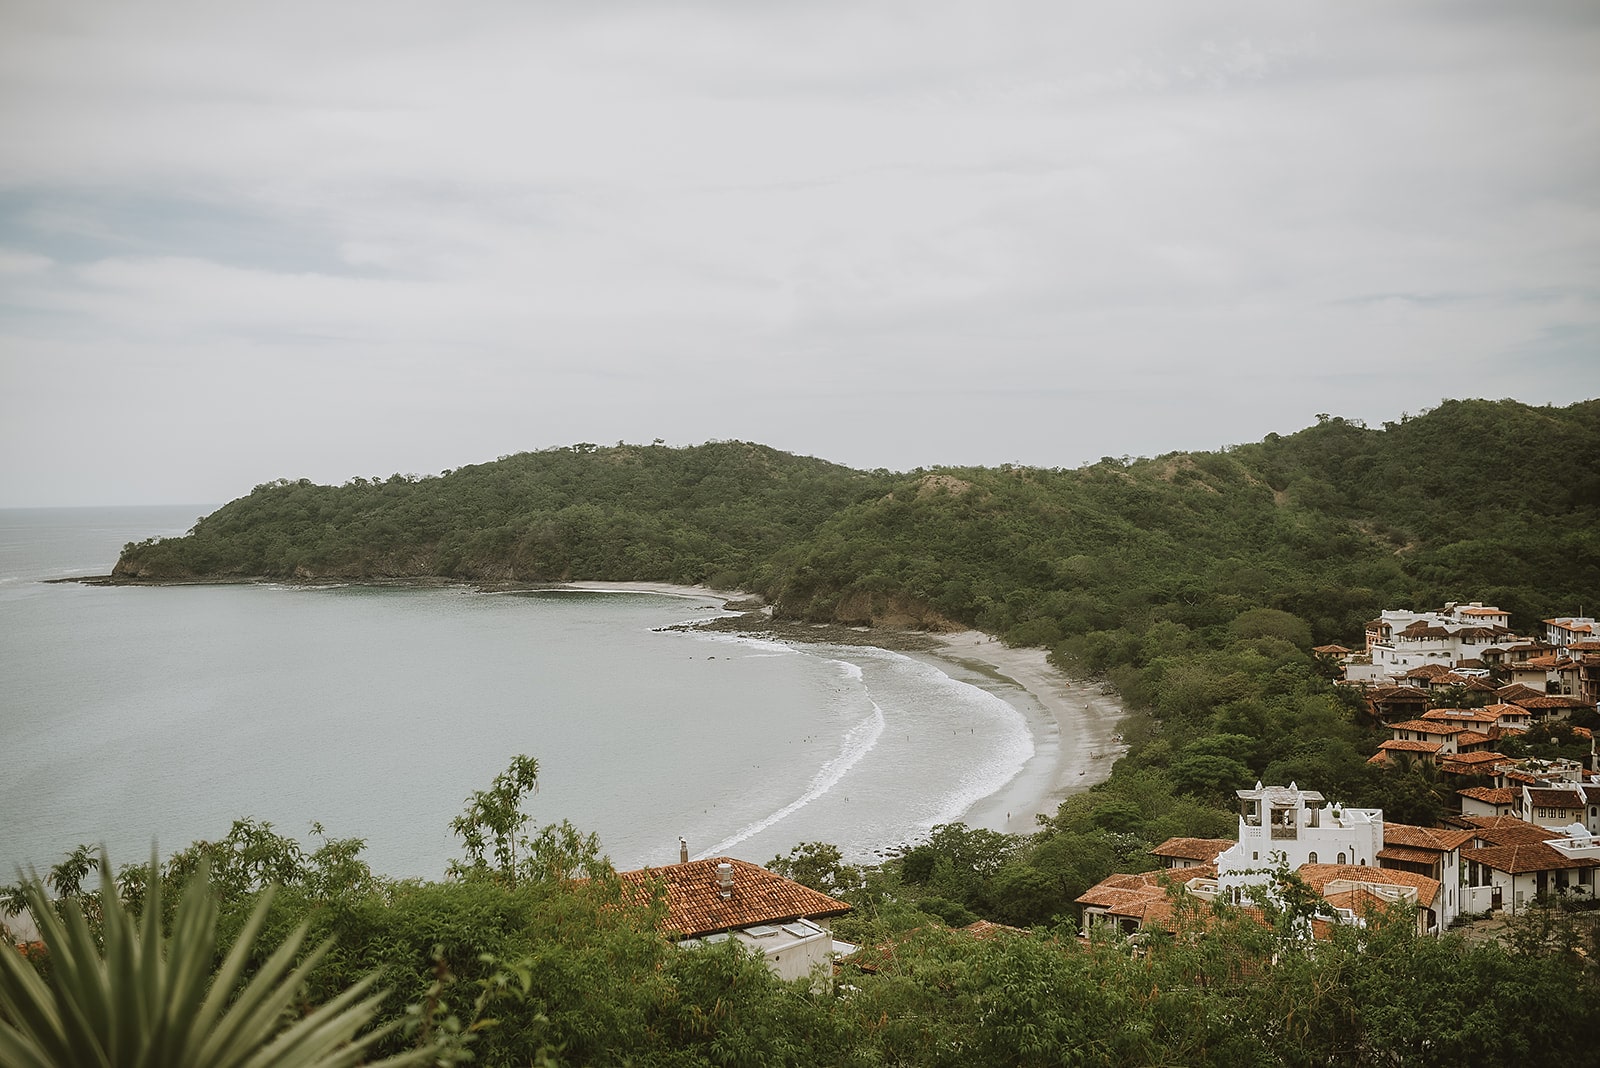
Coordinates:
<point>1341,857</point>
<point>1313,857</point>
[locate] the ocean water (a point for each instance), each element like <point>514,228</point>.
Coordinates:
<point>140,716</point>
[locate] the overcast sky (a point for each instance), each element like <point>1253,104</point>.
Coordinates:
<point>248,241</point>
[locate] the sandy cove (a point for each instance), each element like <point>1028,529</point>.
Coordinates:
<point>1074,723</point>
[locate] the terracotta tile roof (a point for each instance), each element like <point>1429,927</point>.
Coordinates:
<point>1492,795</point>
<point>1437,839</point>
<point>1551,700</point>
<point>1506,710</point>
<point>1391,693</point>
<point>1423,726</point>
<point>1514,693</point>
<point>696,907</point>
<point>1525,857</point>
<point>1330,650</point>
<point>1408,856</point>
<point>1469,738</point>
<point>1549,797</point>
<point>983,930</point>
<point>1487,611</point>
<point>1426,671</point>
<point>1411,747</point>
<point>1504,830</point>
<point>1318,876</point>
<point>1193,848</point>
<point>1479,760</point>
<point>1378,758</point>
<point>1461,715</point>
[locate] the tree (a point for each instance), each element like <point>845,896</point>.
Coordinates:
<point>147,999</point>
<point>493,817</point>
<point>818,865</point>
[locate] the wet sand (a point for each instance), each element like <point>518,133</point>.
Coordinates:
<point>1075,724</point>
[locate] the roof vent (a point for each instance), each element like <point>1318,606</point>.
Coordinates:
<point>725,880</point>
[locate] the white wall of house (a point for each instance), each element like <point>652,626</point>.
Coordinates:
<point>1284,824</point>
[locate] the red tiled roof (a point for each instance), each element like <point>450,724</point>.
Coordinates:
<point>1515,692</point>
<point>1466,738</point>
<point>1318,876</point>
<point>1492,795</point>
<point>1423,726</point>
<point>1330,650</point>
<point>1460,715</point>
<point>1408,856</point>
<point>1504,709</point>
<point>1547,797</point>
<point>1391,693</point>
<point>696,907</point>
<point>1526,857</point>
<point>1478,758</point>
<point>1411,747</point>
<point>1426,671</point>
<point>1205,849</point>
<point>1554,701</point>
<point>1504,830</point>
<point>1437,839</point>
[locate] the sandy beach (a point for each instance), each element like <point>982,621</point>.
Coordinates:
<point>1075,725</point>
<point>1075,728</point>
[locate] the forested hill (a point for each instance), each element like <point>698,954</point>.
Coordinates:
<point>1475,499</point>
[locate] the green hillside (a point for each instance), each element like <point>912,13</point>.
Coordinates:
<point>1489,500</point>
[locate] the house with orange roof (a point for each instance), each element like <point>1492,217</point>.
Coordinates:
<point>1346,854</point>
<point>1509,715</point>
<point>1565,631</point>
<point>712,900</point>
<point>1400,640</point>
<point>1427,730</point>
<point>1479,762</point>
<point>1190,852</point>
<point>1396,702</point>
<point>1490,801</point>
<point>1340,885</point>
<point>1432,852</point>
<point>1398,751</point>
<point>1512,862</point>
<point>1561,804</point>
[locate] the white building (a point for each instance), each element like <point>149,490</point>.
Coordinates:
<point>1285,825</point>
<point>1400,640</point>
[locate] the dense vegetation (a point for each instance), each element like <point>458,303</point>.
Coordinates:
<point>1195,584</point>
<point>512,962</point>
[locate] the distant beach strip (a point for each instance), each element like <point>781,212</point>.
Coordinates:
<point>1075,724</point>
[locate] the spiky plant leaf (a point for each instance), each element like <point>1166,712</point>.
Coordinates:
<point>144,1001</point>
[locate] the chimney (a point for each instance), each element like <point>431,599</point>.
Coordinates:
<point>683,850</point>
<point>724,880</point>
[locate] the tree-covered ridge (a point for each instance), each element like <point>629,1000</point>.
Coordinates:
<point>709,513</point>
<point>1492,500</point>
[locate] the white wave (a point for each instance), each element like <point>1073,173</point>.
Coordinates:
<point>858,742</point>
<point>1009,748</point>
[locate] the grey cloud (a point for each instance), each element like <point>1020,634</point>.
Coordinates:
<point>1050,231</point>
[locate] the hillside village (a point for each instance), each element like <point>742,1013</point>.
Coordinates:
<point>1452,688</point>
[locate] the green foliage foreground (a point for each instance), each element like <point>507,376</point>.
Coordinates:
<point>122,993</point>
<point>553,971</point>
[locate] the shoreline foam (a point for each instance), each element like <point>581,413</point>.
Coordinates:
<point>1074,723</point>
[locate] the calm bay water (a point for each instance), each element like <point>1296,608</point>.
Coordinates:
<point>138,715</point>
